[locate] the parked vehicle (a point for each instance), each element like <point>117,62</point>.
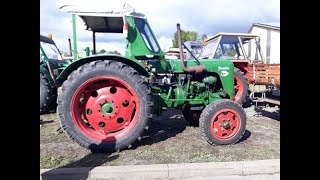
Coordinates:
<point>105,102</point>
<point>51,65</point>
<point>252,74</point>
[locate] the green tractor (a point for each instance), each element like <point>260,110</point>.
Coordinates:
<point>51,65</point>
<point>105,102</point>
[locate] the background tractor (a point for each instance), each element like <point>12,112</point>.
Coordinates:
<point>105,102</point>
<point>239,48</point>
<point>252,74</point>
<point>51,64</point>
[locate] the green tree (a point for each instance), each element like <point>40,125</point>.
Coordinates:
<point>102,51</point>
<point>203,37</point>
<point>232,52</point>
<point>185,36</point>
<point>114,52</point>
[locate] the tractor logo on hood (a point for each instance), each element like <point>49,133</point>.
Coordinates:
<point>223,68</point>
<point>224,73</point>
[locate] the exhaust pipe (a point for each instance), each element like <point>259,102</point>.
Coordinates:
<point>70,48</point>
<point>193,69</point>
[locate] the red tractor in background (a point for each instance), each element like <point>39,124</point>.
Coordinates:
<point>251,74</point>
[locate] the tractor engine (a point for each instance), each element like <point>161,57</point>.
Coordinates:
<point>162,78</point>
<point>177,90</point>
<point>200,86</point>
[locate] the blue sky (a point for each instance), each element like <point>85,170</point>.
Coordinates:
<point>203,16</point>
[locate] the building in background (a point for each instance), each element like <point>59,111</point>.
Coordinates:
<point>269,34</point>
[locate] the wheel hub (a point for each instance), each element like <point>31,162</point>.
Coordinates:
<point>107,108</point>
<point>225,124</point>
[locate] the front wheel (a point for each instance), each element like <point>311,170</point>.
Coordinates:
<point>223,122</point>
<point>105,106</point>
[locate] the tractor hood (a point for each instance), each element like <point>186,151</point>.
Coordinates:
<point>103,20</point>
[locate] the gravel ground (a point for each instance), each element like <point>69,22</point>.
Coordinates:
<point>170,139</point>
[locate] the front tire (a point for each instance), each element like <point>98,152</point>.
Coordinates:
<point>105,106</point>
<point>223,122</point>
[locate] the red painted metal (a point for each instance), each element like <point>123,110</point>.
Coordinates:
<point>238,87</point>
<point>230,116</point>
<point>242,65</point>
<point>86,108</point>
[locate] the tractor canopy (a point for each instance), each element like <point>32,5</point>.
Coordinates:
<point>233,46</point>
<point>106,20</point>
<point>140,40</point>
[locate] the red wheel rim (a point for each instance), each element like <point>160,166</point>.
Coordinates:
<point>105,108</point>
<point>225,124</point>
<point>238,87</point>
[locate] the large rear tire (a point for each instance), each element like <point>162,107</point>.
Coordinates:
<point>223,122</point>
<point>46,94</point>
<point>105,106</point>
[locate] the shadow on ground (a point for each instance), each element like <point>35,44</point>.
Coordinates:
<point>42,122</point>
<point>168,125</point>
<point>261,110</point>
<point>275,115</point>
<point>245,136</point>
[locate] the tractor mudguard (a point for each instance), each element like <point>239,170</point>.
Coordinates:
<point>132,63</point>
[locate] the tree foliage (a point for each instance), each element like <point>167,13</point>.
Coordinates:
<point>203,37</point>
<point>102,51</point>
<point>114,52</point>
<point>187,36</point>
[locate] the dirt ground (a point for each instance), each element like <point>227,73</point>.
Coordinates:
<point>169,140</point>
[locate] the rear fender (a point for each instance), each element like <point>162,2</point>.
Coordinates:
<point>132,63</point>
<point>242,65</point>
